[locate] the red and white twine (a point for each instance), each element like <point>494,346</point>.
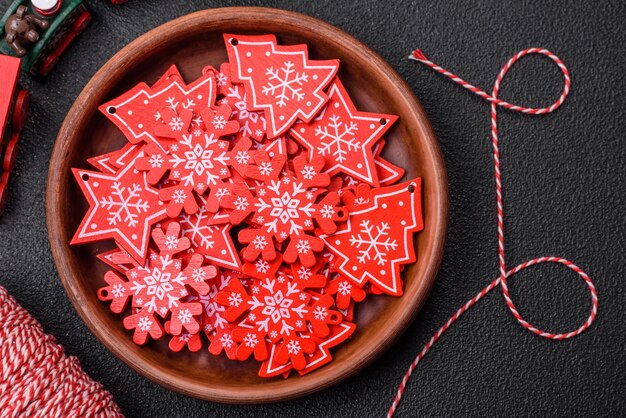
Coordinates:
<point>417,55</point>
<point>37,379</point>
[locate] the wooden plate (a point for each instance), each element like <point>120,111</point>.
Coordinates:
<point>192,42</point>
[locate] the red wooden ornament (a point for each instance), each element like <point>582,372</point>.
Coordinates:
<point>252,123</point>
<point>280,80</point>
<point>344,136</point>
<point>133,111</point>
<point>122,206</point>
<point>378,237</point>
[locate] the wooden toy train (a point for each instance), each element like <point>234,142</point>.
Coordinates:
<point>13,108</point>
<point>39,31</point>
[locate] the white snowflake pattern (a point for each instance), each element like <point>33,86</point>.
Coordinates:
<point>293,347</point>
<point>262,266</point>
<point>265,168</point>
<point>259,242</point>
<point>179,196</point>
<point>327,211</point>
<point>219,122</point>
<point>303,247</point>
<point>124,204</point>
<point>198,274</point>
<point>226,340</point>
<point>345,288</point>
<point>235,299</point>
<point>176,124</point>
<point>171,242</point>
<point>241,203</point>
<point>144,324</point>
<point>242,157</point>
<point>184,316</point>
<point>285,84</point>
<point>378,242</point>
<point>250,340</point>
<point>304,273</point>
<point>308,172</point>
<point>196,229</point>
<point>156,161</point>
<point>337,138</point>
<point>118,290</point>
<point>278,306</point>
<point>320,313</point>
<point>221,79</point>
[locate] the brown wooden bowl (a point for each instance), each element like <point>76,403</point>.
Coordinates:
<point>192,42</point>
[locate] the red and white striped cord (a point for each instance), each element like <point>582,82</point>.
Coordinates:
<point>37,379</point>
<point>417,55</point>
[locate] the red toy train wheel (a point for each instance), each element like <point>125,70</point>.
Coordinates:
<point>79,25</point>
<point>22,102</point>
<point>10,152</point>
<point>4,191</point>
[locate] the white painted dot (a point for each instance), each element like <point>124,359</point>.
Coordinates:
<point>302,130</point>
<point>140,126</point>
<point>95,184</point>
<point>337,104</point>
<point>315,77</point>
<point>267,54</point>
<point>271,154</point>
<point>134,236</point>
<point>384,206</point>
<point>372,126</point>
<point>359,165</point>
<point>94,226</point>
<point>130,112</point>
<point>135,171</point>
<point>282,117</point>
<point>249,70</point>
<point>382,272</point>
<point>223,252</point>
<point>338,242</point>
<point>160,203</point>
<point>308,103</point>
<point>402,223</point>
<point>146,101</point>
<point>354,268</point>
<point>248,54</point>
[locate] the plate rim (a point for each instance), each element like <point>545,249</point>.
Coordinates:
<point>61,250</point>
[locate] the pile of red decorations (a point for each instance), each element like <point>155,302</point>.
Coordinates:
<point>250,208</point>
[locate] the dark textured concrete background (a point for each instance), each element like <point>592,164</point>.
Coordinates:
<point>564,191</point>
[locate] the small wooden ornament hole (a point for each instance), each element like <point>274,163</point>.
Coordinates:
<point>111,110</point>
<point>411,188</point>
<point>335,318</point>
<point>103,294</point>
<point>85,177</point>
<point>234,42</point>
<point>383,121</point>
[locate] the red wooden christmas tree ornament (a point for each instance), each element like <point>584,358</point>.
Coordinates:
<point>377,239</point>
<point>280,80</point>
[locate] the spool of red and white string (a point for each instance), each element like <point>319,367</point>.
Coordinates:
<point>37,379</point>
<point>504,274</point>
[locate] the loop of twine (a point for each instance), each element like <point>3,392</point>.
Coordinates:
<point>505,274</point>
<point>36,378</point>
